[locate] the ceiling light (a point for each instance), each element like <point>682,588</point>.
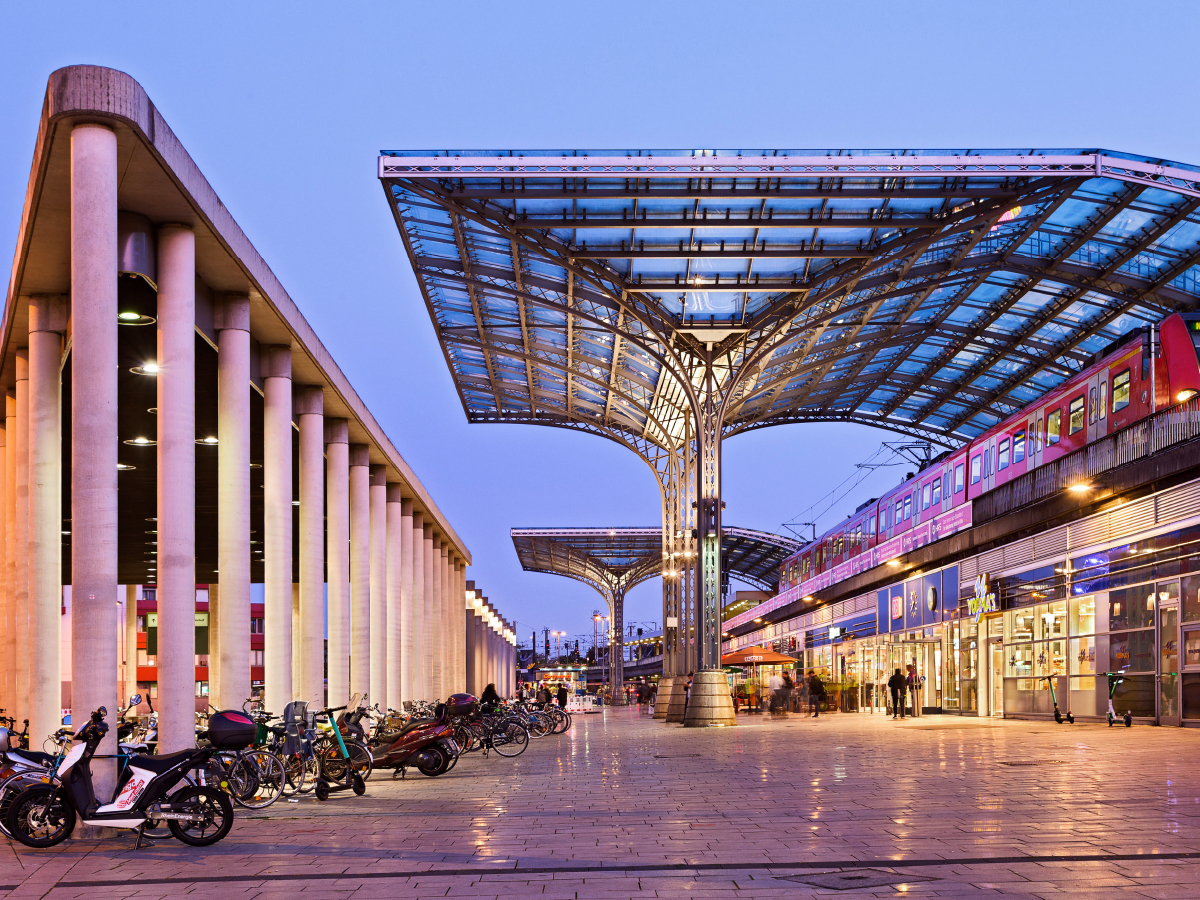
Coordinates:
<point>132,318</point>
<point>140,442</point>
<point>128,316</point>
<point>122,467</point>
<point>893,562</point>
<point>206,440</point>
<point>1185,395</point>
<point>1080,488</point>
<point>150,368</point>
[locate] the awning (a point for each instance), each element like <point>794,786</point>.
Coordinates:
<point>755,656</point>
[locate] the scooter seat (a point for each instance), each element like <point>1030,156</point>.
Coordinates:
<point>393,736</point>
<point>160,764</point>
<point>32,756</point>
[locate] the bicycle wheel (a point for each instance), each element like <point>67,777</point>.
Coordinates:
<point>539,725</point>
<point>360,759</point>
<point>9,790</point>
<point>565,719</point>
<point>295,774</point>
<point>465,738</point>
<point>511,739</point>
<point>265,773</point>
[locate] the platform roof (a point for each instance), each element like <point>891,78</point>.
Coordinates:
<point>930,292</point>
<point>625,557</point>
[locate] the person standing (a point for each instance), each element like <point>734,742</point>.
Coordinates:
<point>898,685</point>
<point>687,693</point>
<point>816,693</point>
<point>562,696</point>
<point>776,686</point>
<point>914,684</point>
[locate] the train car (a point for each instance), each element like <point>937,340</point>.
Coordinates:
<point>1142,372</point>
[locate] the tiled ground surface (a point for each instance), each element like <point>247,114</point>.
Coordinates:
<point>626,807</point>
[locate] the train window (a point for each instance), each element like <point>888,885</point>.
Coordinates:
<point>958,478</point>
<point>1035,436</point>
<point>1018,451</point>
<point>871,526</point>
<point>1053,427</point>
<point>1092,406</point>
<point>926,493</point>
<point>1002,455</point>
<point>937,491</point>
<point>976,469</point>
<point>908,505</point>
<point>1075,415</point>
<point>1120,391</point>
<point>1103,399</point>
<point>987,462</point>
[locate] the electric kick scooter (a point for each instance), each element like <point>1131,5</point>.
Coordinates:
<point>1115,679</point>
<point>1058,716</point>
<point>349,780</point>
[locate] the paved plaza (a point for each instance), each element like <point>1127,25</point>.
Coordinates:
<point>623,806</point>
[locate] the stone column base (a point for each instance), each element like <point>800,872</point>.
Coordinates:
<point>663,699</point>
<point>710,703</point>
<point>678,702</point>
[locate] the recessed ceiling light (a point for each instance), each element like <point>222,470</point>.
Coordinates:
<point>122,467</point>
<point>150,368</point>
<point>206,440</point>
<point>140,442</point>
<point>132,318</point>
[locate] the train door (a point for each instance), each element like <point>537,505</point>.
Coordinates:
<point>989,464</point>
<point>1035,440</point>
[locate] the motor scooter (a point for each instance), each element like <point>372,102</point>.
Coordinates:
<point>45,814</point>
<point>426,743</point>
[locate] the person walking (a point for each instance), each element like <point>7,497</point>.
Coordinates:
<point>776,685</point>
<point>898,685</point>
<point>914,684</point>
<point>687,692</point>
<point>787,692</point>
<point>562,696</point>
<point>816,693</point>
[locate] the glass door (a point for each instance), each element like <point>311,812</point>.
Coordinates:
<point>996,678</point>
<point>1168,665</point>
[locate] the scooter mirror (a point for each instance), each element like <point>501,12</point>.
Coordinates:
<point>135,700</point>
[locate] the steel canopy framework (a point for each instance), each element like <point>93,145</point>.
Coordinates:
<point>669,299</point>
<point>615,560</point>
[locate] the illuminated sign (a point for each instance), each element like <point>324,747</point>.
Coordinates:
<point>897,607</point>
<point>984,600</point>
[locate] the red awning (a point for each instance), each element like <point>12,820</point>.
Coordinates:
<point>752,656</point>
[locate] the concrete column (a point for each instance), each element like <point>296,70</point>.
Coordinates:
<point>406,645</point>
<point>296,640</point>
<point>309,673</point>
<point>231,652</point>
<point>431,686</point>
<point>13,661</point>
<point>176,488</point>
<point>441,661</point>
<point>8,686</point>
<point>395,595</point>
<point>21,631</point>
<point>378,580</point>
<point>468,638</point>
<point>360,569</point>
<point>480,651</point>
<point>416,612</point>
<point>276,368</point>
<point>47,321</point>
<point>337,554</point>
<point>132,592</point>
<point>454,630</point>
<point>93,310</point>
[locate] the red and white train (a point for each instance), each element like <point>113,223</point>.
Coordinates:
<point>1142,372</point>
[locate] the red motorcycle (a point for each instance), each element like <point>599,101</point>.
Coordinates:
<point>426,743</point>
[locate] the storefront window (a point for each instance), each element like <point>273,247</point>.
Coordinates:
<point>1131,651</point>
<point>1051,621</point>
<point>1018,660</point>
<point>1083,656</point>
<point>1190,595</point>
<point>1191,648</point>
<point>1131,608</point>
<point>1083,614</point>
<point>1018,625</point>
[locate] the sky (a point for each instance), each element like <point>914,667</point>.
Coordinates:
<point>285,108</point>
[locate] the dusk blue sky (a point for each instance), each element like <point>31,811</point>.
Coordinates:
<point>284,107</point>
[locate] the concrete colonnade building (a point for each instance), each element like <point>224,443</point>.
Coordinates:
<point>175,433</point>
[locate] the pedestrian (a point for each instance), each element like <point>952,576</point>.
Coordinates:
<point>489,699</point>
<point>816,693</point>
<point>687,692</point>
<point>897,684</point>
<point>776,686</point>
<point>787,692</point>
<point>913,684</point>
<point>562,696</point>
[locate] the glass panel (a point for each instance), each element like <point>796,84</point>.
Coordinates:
<point>1131,607</point>
<point>1057,663</point>
<point>1053,427</point>
<point>1083,656</point>
<point>1018,452</point>
<point>1190,595</point>
<point>1103,399</point>
<point>1002,454</point>
<point>1083,614</point>
<point>1120,391</point>
<point>1083,696</point>
<point>1018,626</point>
<point>1168,662</point>
<point>1019,660</point>
<point>1131,651</point>
<point>1051,620</point>
<point>1075,416</point>
<point>1191,648</point>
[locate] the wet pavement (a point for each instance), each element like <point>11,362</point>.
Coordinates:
<point>849,805</point>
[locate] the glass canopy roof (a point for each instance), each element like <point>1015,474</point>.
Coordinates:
<point>621,558</point>
<point>930,292</point>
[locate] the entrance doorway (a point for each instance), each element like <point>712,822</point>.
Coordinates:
<point>1168,665</point>
<point>996,678</point>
